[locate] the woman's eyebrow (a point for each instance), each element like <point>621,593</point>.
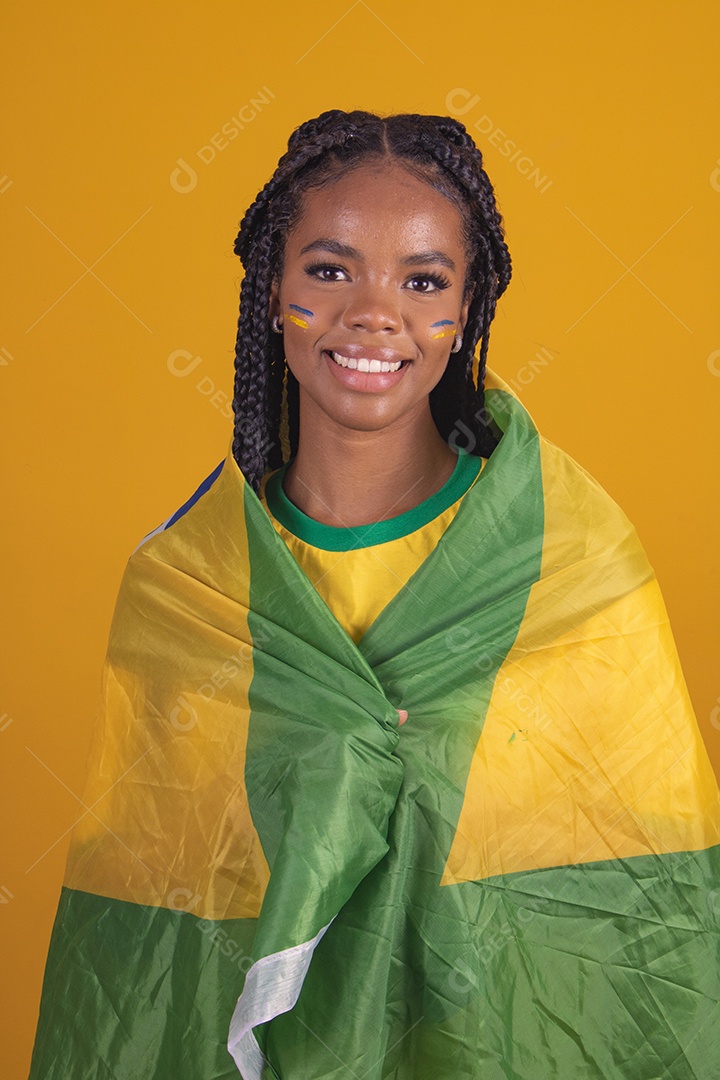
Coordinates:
<point>429,256</point>
<point>326,244</point>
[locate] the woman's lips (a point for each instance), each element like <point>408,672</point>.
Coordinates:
<point>366,373</point>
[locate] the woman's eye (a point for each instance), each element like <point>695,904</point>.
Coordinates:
<point>427,283</point>
<point>326,272</point>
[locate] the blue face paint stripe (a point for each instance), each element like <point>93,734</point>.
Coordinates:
<point>443,322</point>
<point>302,310</point>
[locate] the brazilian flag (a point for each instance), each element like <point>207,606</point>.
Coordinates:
<point>275,880</point>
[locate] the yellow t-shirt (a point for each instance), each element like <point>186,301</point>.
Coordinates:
<point>358,571</point>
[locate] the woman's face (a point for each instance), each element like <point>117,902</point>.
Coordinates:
<point>373,277</point>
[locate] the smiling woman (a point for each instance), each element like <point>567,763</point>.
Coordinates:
<point>396,774</point>
<point>395,269</point>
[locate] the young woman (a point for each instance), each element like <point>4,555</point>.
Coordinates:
<point>396,772</point>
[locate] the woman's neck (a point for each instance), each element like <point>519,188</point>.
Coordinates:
<point>347,478</point>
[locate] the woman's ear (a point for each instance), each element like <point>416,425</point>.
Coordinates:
<point>274,305</point>
<point>463,317</point>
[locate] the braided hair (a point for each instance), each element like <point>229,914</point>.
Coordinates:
<point>439,150</point>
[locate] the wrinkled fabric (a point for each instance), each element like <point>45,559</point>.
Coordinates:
<point>522,881</point>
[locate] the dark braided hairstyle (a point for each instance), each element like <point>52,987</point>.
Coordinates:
<point>439,150</point>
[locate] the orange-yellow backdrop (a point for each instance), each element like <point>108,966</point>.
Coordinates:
<point>138,135</point>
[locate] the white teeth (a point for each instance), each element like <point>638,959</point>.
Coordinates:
<point>362,364</point>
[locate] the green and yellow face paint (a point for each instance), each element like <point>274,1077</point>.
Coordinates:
<point>298,319</point>
<point>439,327</point>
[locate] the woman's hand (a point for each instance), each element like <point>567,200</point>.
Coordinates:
<point>402,713</point>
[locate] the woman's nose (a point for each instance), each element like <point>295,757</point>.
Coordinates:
<point>374,309</point>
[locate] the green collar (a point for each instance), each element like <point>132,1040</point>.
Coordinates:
<point>334,538</point>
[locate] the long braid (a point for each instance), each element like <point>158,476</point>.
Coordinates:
<point>253,436</point>
<point>318,151</point>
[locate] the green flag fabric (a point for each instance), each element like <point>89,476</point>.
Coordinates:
<point>275,880</point>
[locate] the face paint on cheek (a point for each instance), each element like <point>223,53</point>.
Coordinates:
<point>442,333</point>
<point>294,318</point>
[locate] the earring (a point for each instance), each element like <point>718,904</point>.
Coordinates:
<point>457,343</point>
<point>276,324</point>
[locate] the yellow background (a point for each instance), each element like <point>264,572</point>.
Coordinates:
<point>118,275</point>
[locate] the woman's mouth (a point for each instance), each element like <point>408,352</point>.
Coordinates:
<point>365,374</point>
<point>361,363</point>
